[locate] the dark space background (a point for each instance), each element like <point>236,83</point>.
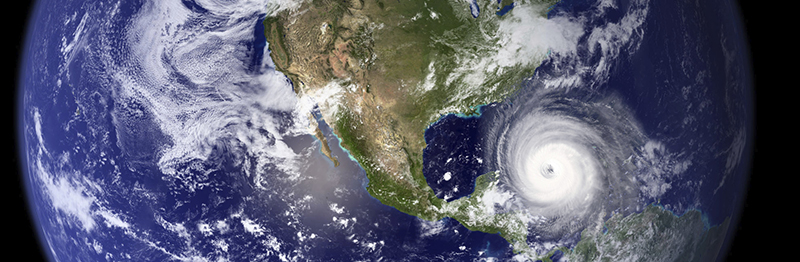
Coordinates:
<point>20,231</point>
<point>762,218</point>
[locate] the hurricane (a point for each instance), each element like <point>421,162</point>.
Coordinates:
<point>569,150</point>
<point>568,158</point>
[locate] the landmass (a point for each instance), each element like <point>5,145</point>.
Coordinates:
<point>381,72</point>
<point>656,234</point>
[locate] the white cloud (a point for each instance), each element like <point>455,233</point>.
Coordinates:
<point>524,34</point>
<point>252,227</point>
<point>221,101</point>
<point>113,220</point>
<point>430,228</point>
<point>71,199</point>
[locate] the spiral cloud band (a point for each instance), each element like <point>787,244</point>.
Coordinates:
<point>566,155</point>
<point>551,164</point>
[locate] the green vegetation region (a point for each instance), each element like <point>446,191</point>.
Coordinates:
<point>655,234</point>
<point>415,62</point>
<point>396,67</point>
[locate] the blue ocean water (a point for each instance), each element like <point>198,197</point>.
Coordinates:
<point>454,156</point>
<point>192,5</point>
<point>258,44</point>
<point>404,236</point>
<point>678,84</point>
<point>685,90</point>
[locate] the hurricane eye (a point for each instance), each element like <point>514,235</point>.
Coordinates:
<point>547,171</point>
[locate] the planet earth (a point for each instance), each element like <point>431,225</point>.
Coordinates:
<point>373,130</point>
